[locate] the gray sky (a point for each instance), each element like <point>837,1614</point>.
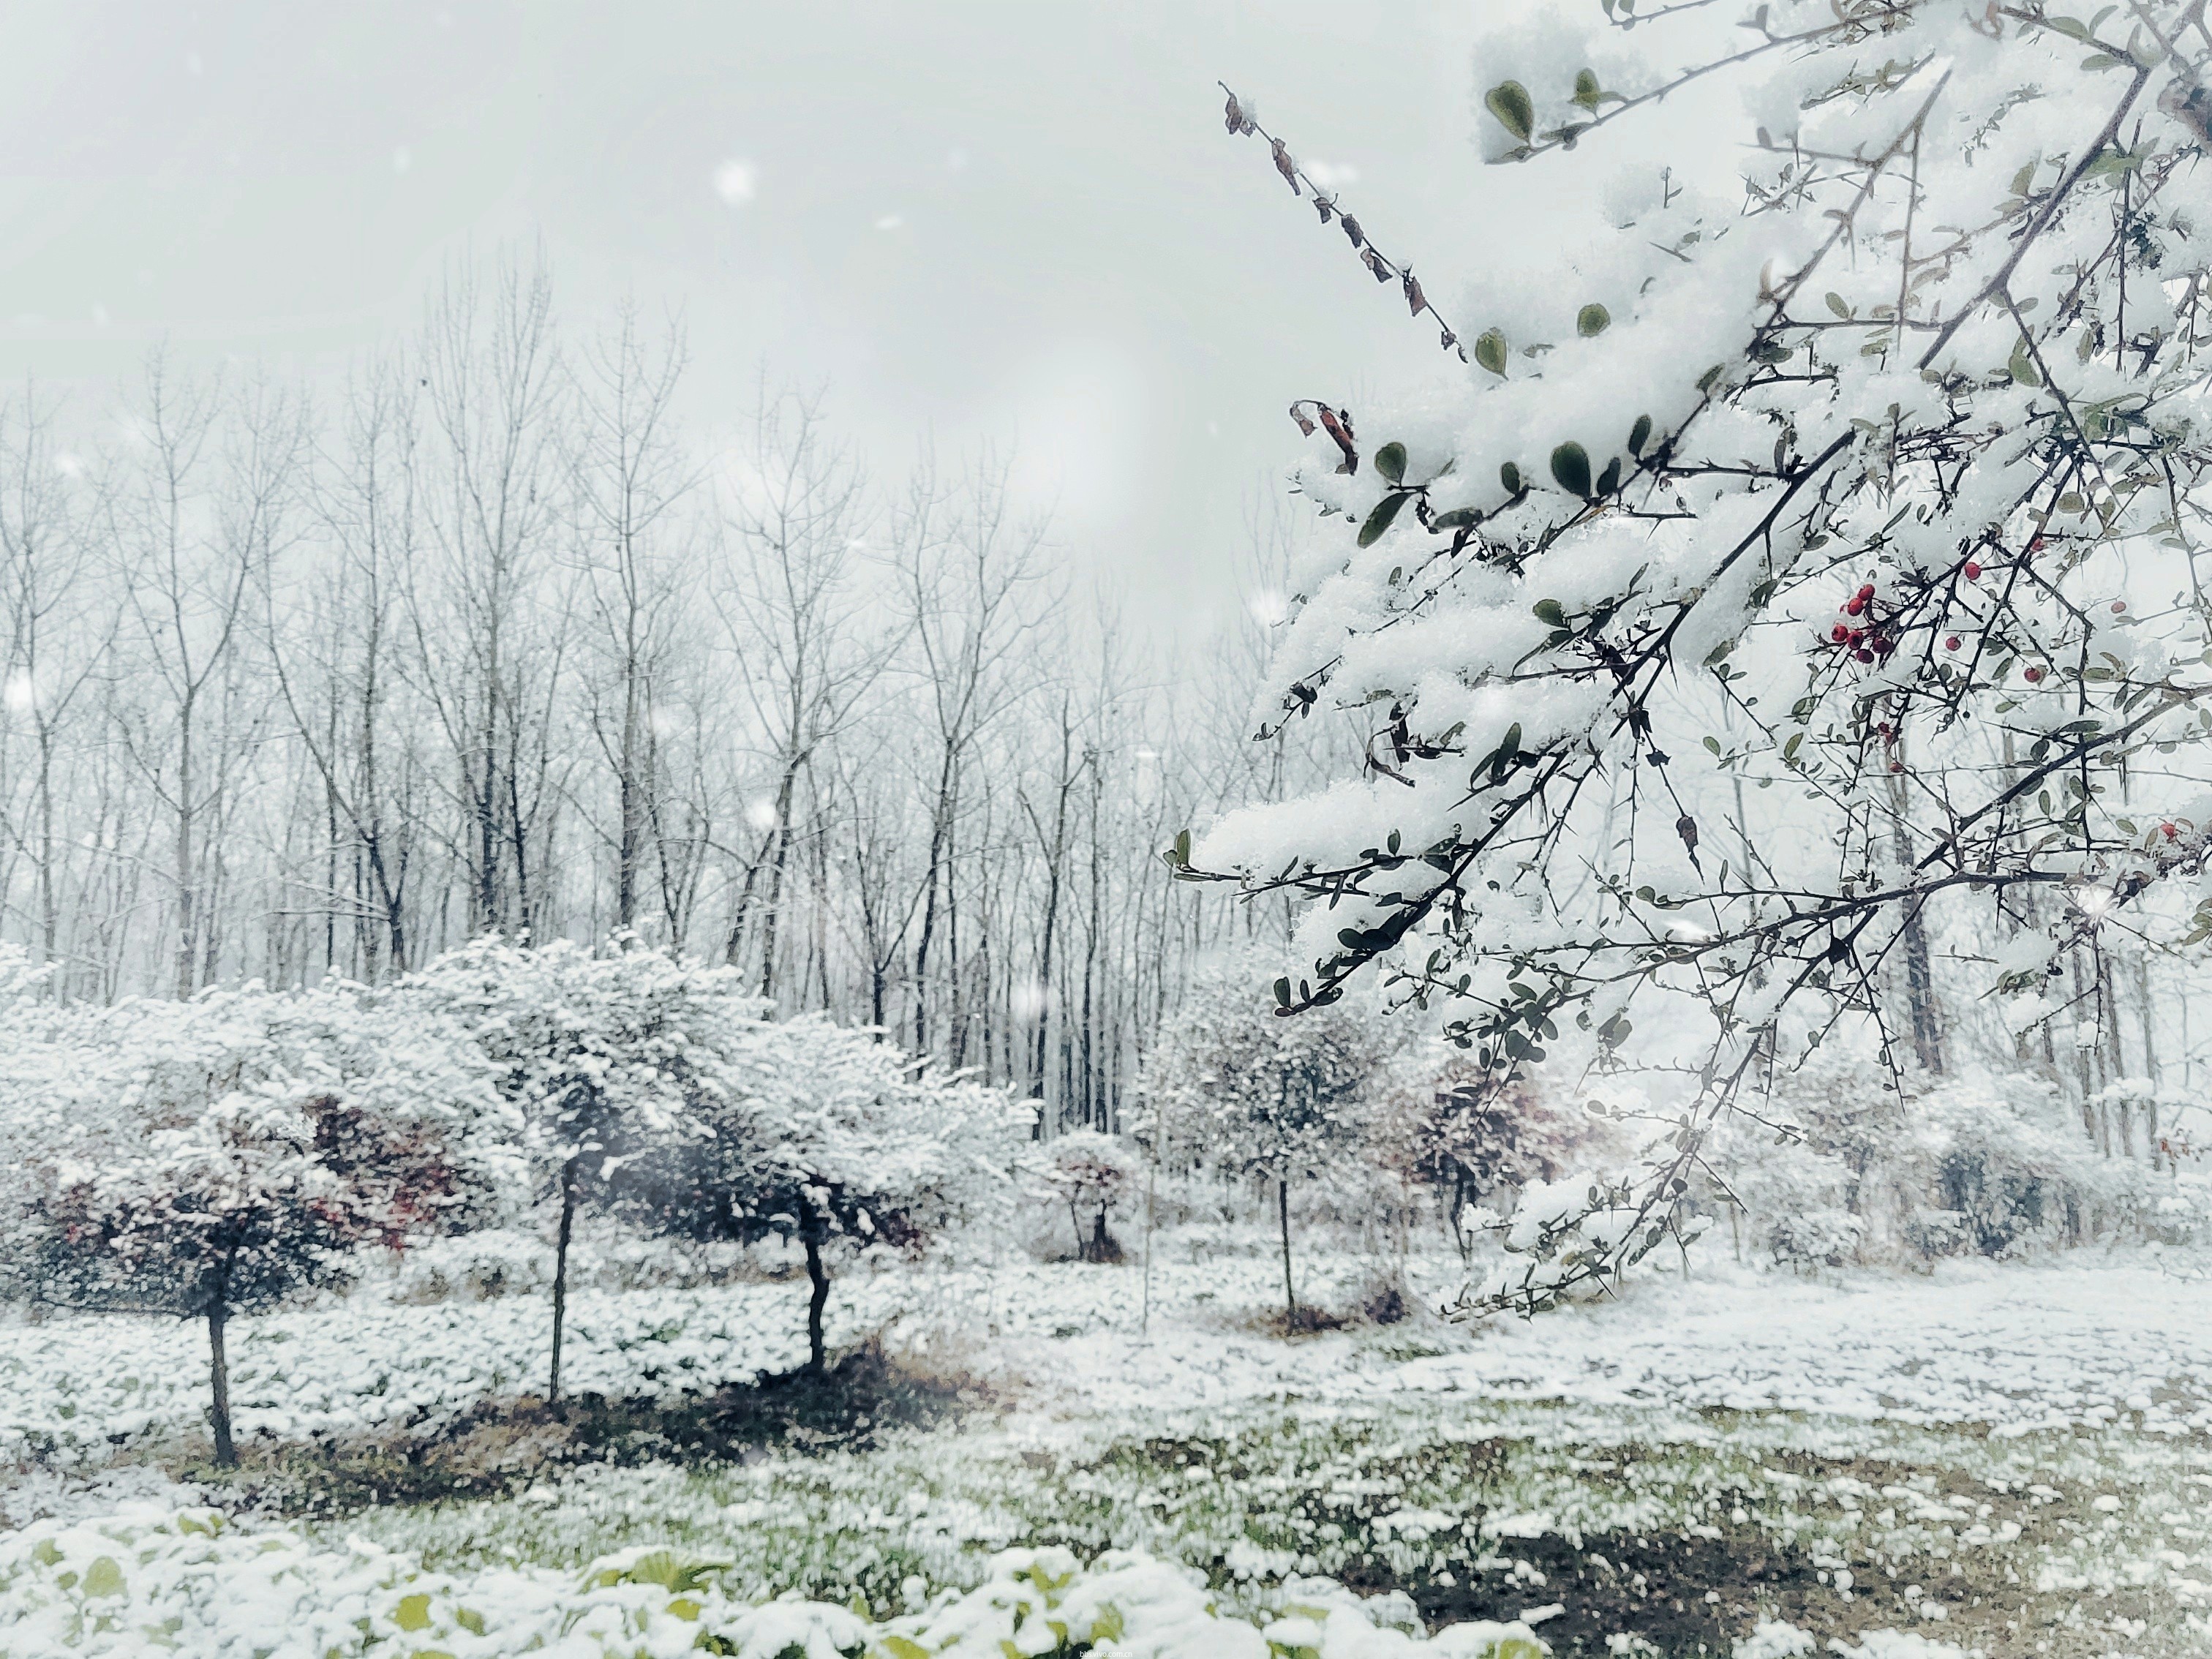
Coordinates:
<point>1017,221</point>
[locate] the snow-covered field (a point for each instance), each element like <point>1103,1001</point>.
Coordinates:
<point>2038,1426</point>
<point>2019,1348</point>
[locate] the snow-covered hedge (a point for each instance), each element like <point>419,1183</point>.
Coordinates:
<point>189,1584</point>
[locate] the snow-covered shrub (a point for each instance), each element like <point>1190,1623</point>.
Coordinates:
<point>1973,1165</point>
<point>1093,1175</point>
<point>2001,1163</point>
<point>146,1580</point>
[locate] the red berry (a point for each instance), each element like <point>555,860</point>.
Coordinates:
<point>1858,637</point>
<point>1897,766</point>
<point>2119,607</point>
<point>2036,546</point>
<point>1839,633</point>
<point>2168,831</point>
<point>1974,571</point>
<point>1951,644</point>
<point>1884,645</point>
<point>2032,675</point>
<point>1867,593</point>
<point>1863,654</point>
<point>1858,605</point>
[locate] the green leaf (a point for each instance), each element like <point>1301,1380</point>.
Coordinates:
<point>1639,434</point>
<point>413,1613</point>
<point>1379,520</point>
<point>1609,480</point>
<point>1460,518</point>
<point>1390,462</point>
<point>1549,610</point>
<point>2022,365</point>
<point>1510,476</point>
<point>104,1578</point>
<point>1283,992</point>
<point>1509,102</point>
<point>1588,93</point>
<point>1490,351</point>
<point>1592,320</point>
<point>1570,465</point>
<point>1836,304</point>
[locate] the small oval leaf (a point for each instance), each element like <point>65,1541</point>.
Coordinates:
<point>1490,351</point>
<point>1379,520</point>
<point>1639,434</point>
<point>1509,102</point>
<point>1570,465</point>
<point>1390,462</point>
<point>1592,320</point>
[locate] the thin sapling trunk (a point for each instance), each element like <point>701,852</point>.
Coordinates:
<point>225,1452</point>
<point>817,1355</point>
<point>561,1277</point>
<point>1283,1214</point>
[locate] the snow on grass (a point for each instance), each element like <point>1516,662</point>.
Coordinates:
<point>2020,1348</point>
<point>73,1387</point>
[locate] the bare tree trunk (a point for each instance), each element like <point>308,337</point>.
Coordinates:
<point>561,1276</point>
<point>817,1277</point>
<point>226,1453</point>
<point>1283,1214</point>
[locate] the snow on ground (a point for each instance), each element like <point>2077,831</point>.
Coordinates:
<point>2020,1348</point>
<point>2116,1344</point>
<point>73,1384</point>
<point>2017,1346</point>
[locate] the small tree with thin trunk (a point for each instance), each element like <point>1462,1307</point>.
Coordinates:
<point>1092,1174</point>
<point>831,1136</point>
<point>221,1157</point>
<point>1269,1099</point>
<point>608,1057</point>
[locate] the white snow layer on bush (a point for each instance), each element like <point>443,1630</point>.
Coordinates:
<point>187,1583</point>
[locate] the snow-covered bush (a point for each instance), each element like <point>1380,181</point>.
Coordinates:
<point>1973,1165</point>
<point>823,1133</point>
<point>1778,570</point>
<point>222,1156</point>
<point>1472,1137</point>
<point>1093,1175</point>
<point>189,1582</point>
<point>1232,1084</point>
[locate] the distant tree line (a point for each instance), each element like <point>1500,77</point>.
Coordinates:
<point>296,682</point>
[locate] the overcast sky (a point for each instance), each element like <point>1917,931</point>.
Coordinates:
<point>1019,221</point>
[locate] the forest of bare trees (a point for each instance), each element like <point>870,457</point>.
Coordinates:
<point>315,679</point>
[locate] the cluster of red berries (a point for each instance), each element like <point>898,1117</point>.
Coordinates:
<point>1867,642</point>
